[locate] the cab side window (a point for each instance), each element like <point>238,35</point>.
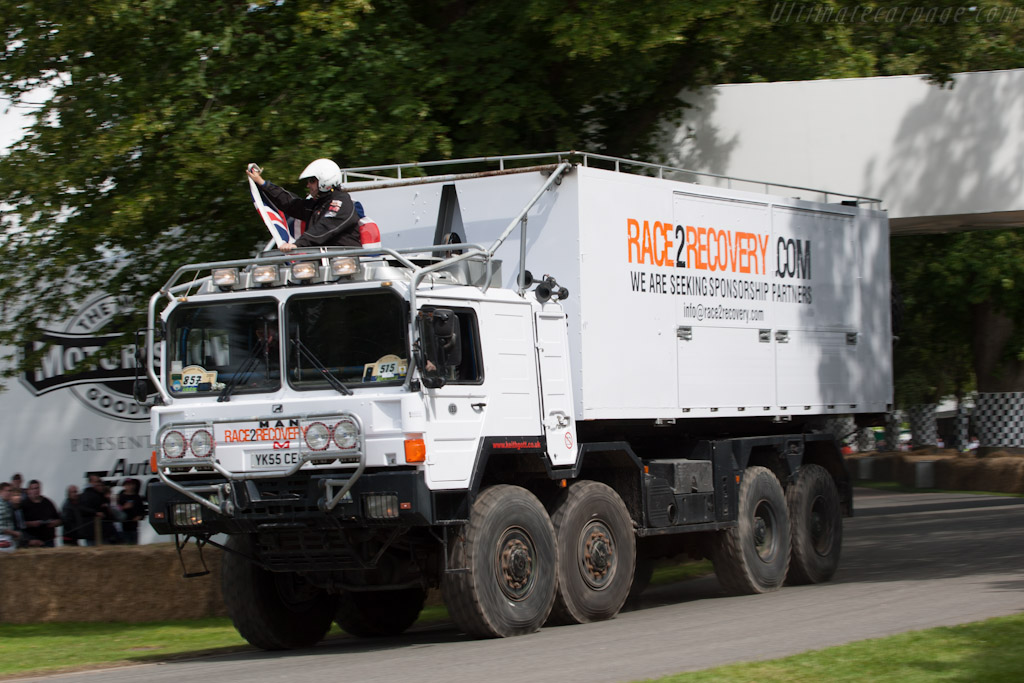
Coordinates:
<point>470,370</point>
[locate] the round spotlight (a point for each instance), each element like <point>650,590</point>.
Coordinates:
<point>174,445</point>
<point>318,436</point>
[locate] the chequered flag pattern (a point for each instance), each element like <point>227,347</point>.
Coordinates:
<point>840,427</point>
<point>963,426</point>
<point>865,440</point>
<point>999,419</point>
<point>923,429</point>
<point>892,430</point>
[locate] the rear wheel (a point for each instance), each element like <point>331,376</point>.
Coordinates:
<point>817,523</point>
<point>753,556</point>
<point>377,614</point>
<point>272,610</point>
<point>596,553</point>
<point>501,577</point>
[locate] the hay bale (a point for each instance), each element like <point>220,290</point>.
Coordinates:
<point>107,583</point>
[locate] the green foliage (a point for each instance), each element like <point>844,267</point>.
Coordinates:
<point>135,164</point>
<point>951,287</point>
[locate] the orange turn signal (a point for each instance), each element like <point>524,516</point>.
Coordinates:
<point>415,450</point>
<point>152,462</point>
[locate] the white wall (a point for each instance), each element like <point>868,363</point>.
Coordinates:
<point>925,151</point>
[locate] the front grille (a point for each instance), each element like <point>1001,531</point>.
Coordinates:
<point>308,550</point>
<point>277,496</point>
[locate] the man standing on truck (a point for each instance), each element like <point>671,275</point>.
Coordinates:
<point>330,215</point>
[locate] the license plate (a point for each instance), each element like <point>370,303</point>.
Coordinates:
<point>274,459</point>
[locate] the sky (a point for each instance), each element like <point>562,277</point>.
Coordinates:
<point>12,120</point>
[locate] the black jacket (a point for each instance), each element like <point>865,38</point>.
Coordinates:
<point>331,218</point>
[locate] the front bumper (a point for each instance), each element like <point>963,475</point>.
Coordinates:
<point>394,497</point>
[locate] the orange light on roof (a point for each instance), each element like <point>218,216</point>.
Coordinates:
<point>415,450</point>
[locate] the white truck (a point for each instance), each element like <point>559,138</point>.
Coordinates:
<point>365,425</point>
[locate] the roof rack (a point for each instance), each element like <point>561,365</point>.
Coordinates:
<point>391,175</point>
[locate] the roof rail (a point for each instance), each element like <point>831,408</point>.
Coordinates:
<point>390,175</point>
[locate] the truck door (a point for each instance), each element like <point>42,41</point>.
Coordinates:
<point>456,411</point>
<point>555,384</point>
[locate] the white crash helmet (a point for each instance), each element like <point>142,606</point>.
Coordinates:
<point>326,172</point>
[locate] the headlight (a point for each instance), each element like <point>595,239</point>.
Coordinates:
<point>346,434</point>
<point>318,436</point>
<point>174,445</point>
<point>201,443</point>
<point>225,277</point>
<point>304,271</point>
<point>343,265</point>
<point>264,274</point>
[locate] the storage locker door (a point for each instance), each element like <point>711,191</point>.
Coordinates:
<point>725,367</point>
<point>556,387</point>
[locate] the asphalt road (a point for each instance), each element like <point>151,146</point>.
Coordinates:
<point>909,562</point>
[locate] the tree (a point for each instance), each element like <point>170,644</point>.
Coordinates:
<point>932,356</point>
<point>135,163</point>
<point>965,313</point>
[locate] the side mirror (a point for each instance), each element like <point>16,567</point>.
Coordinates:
<point>140,391</point>
<point>440,345</point>
<point>446,332</point>
<point>140,387</point>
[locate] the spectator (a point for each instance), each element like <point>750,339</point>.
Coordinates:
<point>41,518</point>
<point>15,499</point>
<point>134,508</point>
<point>71,515</point>
<point>94,503</point>
<point>9,534</point>
<point>16,483</point>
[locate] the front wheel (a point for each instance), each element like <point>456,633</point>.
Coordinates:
<point>753,556</point>
<point>817,521</point>
<point>272,610</point>
<point>377,614</point>
<point>501,576</point>
<point>596,553</point>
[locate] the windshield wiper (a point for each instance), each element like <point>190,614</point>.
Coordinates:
<point>244,370</point>
<point>335,383</point>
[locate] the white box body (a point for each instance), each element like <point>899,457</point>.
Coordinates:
<point>687,301</point>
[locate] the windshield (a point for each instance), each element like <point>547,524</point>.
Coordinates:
<point>358,337</point>
<point>210,346</point>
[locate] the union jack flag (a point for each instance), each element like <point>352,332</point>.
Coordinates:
<point>273,218</point>
<point>276,221</point>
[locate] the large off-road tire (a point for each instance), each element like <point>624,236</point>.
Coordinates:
<point>378,614</point>
<point>816,521</point>
<point>753,556</point>
<point>272,610</point>
<point>502,567</point>
<point>596,553</point>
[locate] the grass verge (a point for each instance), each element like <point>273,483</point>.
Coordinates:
<point>34,648</point>
<point>983,651</point>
